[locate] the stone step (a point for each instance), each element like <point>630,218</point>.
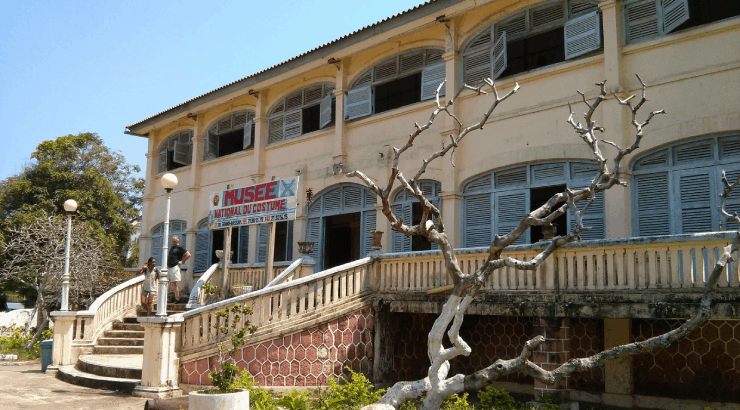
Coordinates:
<point>118,349</point>
<point>71,375</point>
<point>129,320</point>
<point>127,326</point>
<point>124,334</point>
<point>127,366</point>
<point>116,341</point>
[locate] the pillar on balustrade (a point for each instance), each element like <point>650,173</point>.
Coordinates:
<point>618,375</point>
<point>308,264</point>
<point>160,367</point>
<point>64,326</point>
<point>551,354</point>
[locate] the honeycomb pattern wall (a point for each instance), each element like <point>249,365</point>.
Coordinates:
<point>703,366</point>
<point>490,337</point>
<point>307,358</point>
<point>586,339</point>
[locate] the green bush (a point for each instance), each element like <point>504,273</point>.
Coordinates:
<point>456,402</point>
<point>16,343</point>
<point>496,399</point>
<point>295,400</point>
<point>349,394</point>
<point>261,399</point>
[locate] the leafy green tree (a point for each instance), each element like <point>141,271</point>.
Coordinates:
<point>82,168</point>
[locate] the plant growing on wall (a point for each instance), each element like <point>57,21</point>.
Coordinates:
<point>439,384</point>
<point>231,324</point>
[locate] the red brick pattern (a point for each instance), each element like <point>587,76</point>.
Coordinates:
<point>307,358</point>
<point>703,366</point>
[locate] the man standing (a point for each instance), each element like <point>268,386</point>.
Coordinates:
<point>177,256</point>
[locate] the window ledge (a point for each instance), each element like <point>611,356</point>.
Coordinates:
<point>228,157</point>
<point>396,112</point>
<point>174,171</point>
<point>305,137</point>
<point>693,33</point>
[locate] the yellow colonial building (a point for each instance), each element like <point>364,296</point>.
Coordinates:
<point>343,106</point>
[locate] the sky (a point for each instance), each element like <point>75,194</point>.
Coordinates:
<point>68,67</point>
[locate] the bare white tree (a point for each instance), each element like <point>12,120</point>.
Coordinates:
<point>33,255</point>
<point>439,384</point>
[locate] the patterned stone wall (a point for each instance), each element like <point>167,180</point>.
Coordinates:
<point>704,366</point>
<point>586,339</point>
<point>490,337</point>
<point>308,358</point>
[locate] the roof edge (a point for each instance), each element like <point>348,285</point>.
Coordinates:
<point>318,53</point>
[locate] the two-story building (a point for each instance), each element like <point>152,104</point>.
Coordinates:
<point>344,105</point>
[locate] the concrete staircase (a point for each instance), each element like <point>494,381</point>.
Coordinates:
<point>116,360</point>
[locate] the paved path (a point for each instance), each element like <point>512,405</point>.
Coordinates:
<point>25,387</point>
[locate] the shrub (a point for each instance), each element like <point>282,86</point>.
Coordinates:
<point>496,399</point>
<point>295,400</point>
<point>350,395</point>
<point>456,402</point>
<point>15,343</point>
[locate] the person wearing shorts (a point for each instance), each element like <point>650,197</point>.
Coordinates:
<point>176,257</point>
<point>149,287</point>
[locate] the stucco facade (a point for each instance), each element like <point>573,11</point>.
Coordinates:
<point>693,73</point>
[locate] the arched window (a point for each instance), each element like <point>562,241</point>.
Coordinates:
<point>535,37</point>
<point>175,151</point>
<point>230,134</point>
<point>407,207</point>
<point>339,223</point>
<point>676,189</point>
<point>495,202</point>
<point>301,112</point>
<point>646,19</point>
<point>176,228</point>
<point>283,241</point>
<point>401,80</point>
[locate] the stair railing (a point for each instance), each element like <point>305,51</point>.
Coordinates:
<point>197,296</point>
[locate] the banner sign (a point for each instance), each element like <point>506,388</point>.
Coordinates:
<point>266,202</point>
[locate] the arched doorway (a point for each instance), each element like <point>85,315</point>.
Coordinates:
<point>339,223</point>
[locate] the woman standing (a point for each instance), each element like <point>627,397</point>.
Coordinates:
<point>150,284</point>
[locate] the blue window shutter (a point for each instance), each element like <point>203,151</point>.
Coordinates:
<point>202,252</point>
<point>477,223</point>
<point>313,234</point>
<point>248,134</point>
<point>293,124</point>
<point>431,78</point>
<point>358,103</point>
<point>477,66</point>
<point>653,204</point>
<point>641,20</point>
<point>437,202</point>
<point>264,231</point>
<point>368,225</point>
<point>289,242</point>
<point>401,242</point>
<point>276,132</point>
<point>326,110</point>
<point>211,145</point>
<point>156,250</point>
<point>180,156</point>
<point>511,207</point>
<point>695,200</point>
<point>243,249</point>
<point>162,160</point>
<point>675,13</point>
<point>498,57</point>
<point>582,35</point>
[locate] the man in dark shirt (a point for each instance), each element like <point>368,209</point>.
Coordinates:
<point>177,256</point>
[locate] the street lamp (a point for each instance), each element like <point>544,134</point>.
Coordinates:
<point>70,206</point>
<point>169,182</point>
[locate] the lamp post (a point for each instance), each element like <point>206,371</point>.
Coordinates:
<point>70,206</point>
<point>169,182</point>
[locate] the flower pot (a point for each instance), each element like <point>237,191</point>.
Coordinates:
<point>198,400</point>
<point>241,290</point>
